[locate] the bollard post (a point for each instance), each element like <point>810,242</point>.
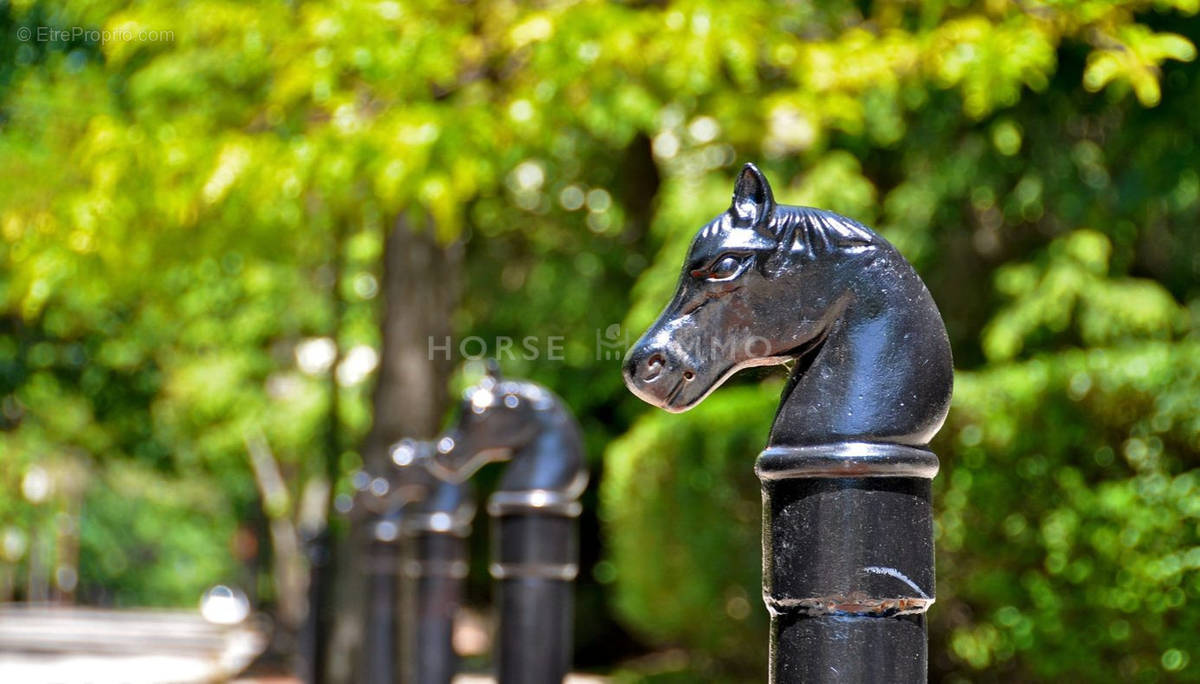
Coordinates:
<point>383,503</point>
<point>435,567</point>
<point>847,561</point>
<point>533,512</point>
<point>314,636</point>
<point>848,558</point>
<point>381,638</point>
<point>534,564</point>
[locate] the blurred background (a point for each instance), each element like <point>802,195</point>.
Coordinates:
<point>230,232</point>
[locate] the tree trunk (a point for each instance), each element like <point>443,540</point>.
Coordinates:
<point>420,290</point>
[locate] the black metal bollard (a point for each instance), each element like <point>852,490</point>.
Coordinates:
<point>384,503</point>
<point>847,561</point>
<point>535,561</point>
<point>847,526</point>
<point>435,571</point>
<point>534,511</point>
<point>315,632</point>
<point>381,638</point>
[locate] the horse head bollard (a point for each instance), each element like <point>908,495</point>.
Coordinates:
<point>435,528</point>
<point>534,511</point>
<point>847,523</point>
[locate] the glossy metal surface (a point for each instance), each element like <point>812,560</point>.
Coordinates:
<point>415,569</point>
<point>848,537</point>
<point>381,637</point>
<point>767,284</point>
<point>535,547</point>
<point>436,529</point>
<point>519,422</point>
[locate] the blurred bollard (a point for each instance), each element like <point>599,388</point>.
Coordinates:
<point>435,572</point>
<point>381,640</point>
<point>415,568</point>
<point>533,511</point>
<point>317,628</point>
<point>380,504</point>
<point>534,564</point>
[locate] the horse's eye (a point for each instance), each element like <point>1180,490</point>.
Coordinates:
<point>724,268</point>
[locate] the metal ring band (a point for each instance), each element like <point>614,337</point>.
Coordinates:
<point>846,459</point>
<point>534,501</point>
<point>426,568</point>
<point>850,605</point>
<point>551,571</point>
<point>457,523</point>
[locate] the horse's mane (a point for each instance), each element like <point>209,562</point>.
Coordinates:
<point>817,231</point>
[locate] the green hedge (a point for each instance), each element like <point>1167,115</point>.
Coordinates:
<point>681,506</point>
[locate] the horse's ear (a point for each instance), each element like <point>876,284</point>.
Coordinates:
<point>753,201</point>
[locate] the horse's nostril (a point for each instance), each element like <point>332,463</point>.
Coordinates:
<point>654,366</point>
<point>689,376</point>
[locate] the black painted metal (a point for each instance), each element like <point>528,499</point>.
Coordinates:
<point>535,545</point>
<point>534,565</point>
<point>438,580</point>
<point>315,632</point>
<point>851,560</point>
<point>435,571</point>
<point>847,528</point>
<point>413,571</point>
<point>534,638</point>
<point>381,575</point>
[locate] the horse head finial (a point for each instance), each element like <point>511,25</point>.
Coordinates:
<point>766,284</point>
<point>386,489</point>
<point>495,417</point>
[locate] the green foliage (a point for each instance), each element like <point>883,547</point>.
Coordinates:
<point>1067,520</point>
<point>148,540</point>
<point>1070,294</point>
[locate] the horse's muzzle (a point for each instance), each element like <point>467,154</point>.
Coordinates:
<point>655,377</point>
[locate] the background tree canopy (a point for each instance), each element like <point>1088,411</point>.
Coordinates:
<point>197,201</point>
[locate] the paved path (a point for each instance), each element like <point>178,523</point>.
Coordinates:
<point>68,645</point>
<point>460,679</point>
